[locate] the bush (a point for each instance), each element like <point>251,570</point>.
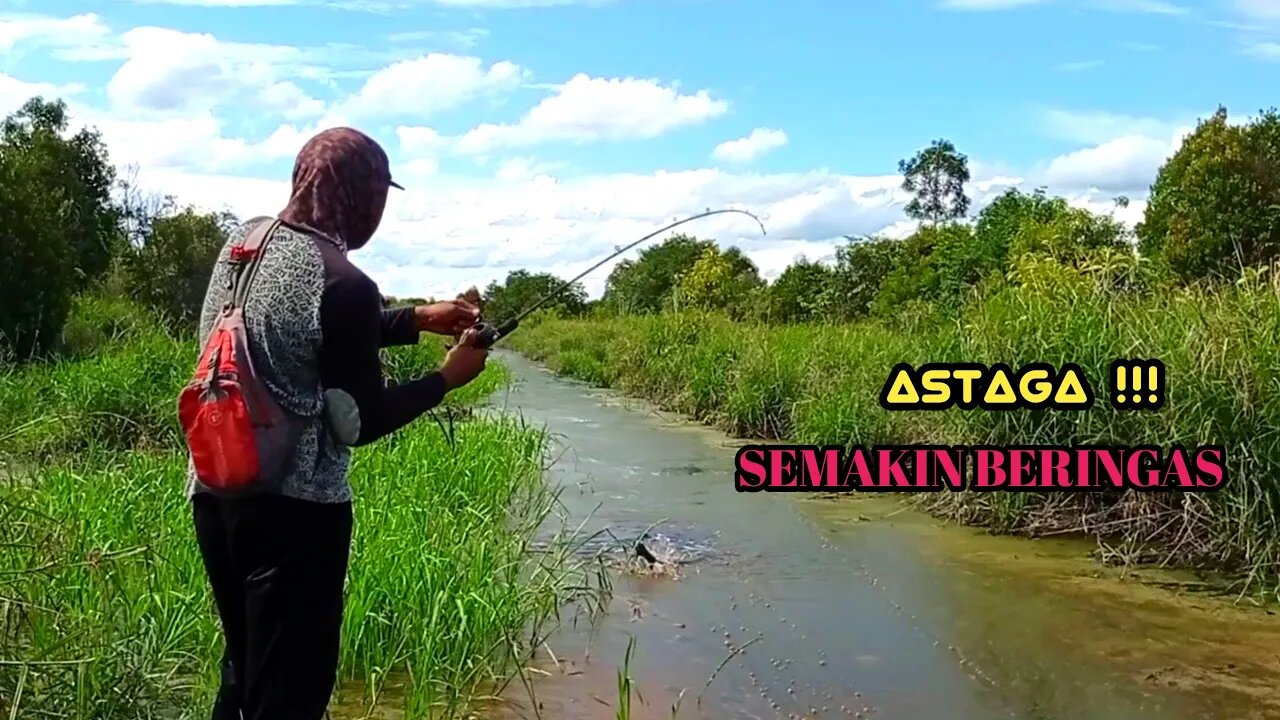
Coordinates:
<point>820,385</point>
<point>1215,205</point>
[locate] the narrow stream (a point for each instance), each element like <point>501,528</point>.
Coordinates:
<point>853,606</point>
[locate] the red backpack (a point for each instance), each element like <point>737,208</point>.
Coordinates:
<point>238,435</point>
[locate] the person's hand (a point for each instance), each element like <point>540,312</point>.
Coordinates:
<point>464,361</point>
<point>472,296</point>
<point>449,317</point>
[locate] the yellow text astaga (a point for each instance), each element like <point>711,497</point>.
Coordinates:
<point>968,385</point>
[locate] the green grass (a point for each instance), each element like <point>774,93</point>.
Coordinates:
<point>117,385</point>
<point>819,384</point>
<point>104,608</point>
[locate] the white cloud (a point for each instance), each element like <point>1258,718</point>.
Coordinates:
<point>195,142</point>
<point>429,84</point>
<point>44,31</point>
<point>525,168</point>
<point>1265,50</point>
<point>448,232</point>
<point>168,72</point>
<point>1096,126</point>
<point>745,149</point>
<point>1267,10</point>
<point>171,94</point>
<point>15,92</point>
<point>1125,164</point>
<point>420,141</point>
<point>588,109</point>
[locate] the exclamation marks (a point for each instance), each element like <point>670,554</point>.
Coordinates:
<point>1137,384</point>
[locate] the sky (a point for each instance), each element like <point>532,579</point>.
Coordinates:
<point>542,134</point>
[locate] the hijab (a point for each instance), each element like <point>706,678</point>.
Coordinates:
<point>340,182</point>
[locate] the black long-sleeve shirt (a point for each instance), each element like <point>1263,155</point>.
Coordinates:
<point>354,326</point>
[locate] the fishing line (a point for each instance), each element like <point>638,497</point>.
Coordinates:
<point>490,334</point>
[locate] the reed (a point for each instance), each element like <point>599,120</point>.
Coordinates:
<point>104,607</point>
<point>820,383</point>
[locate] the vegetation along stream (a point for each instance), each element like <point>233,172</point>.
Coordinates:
<point>809,606</point>
<point>760,605</point>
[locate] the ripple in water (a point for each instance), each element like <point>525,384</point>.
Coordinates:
<point>672,547</point>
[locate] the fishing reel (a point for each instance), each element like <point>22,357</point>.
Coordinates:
<point>488,334</point>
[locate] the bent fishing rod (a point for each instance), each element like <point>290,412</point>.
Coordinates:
<point>490,334</point>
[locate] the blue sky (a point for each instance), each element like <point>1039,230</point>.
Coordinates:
<point>609,113</point>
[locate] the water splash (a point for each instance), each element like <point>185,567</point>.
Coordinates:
<point>668,557</point>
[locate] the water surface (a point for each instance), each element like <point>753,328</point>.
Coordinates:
<point>806,606</point>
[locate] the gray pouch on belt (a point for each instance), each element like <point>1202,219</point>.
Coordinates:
<point>342,416</point>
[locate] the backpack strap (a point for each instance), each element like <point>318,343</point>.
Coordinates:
<point>245,256</point>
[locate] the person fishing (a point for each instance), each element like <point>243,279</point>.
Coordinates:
<point>277,561</point>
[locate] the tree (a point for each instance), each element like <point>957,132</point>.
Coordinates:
<point>861,266</point>
<point>1215,205</point>
<point>58,227</point>
<point>915,272</point>
<point>522,288</point>
<point>936,176</point>
<point>1001,220</point>
<point>77,175</point>
<point>645,284</point>
<point>169,271</point>
<point>963,262</point>
<point>389,301</point>
<point>1070,236</point>
<point>797,295</point>
<point>722,281</point>
<point>36,282</point>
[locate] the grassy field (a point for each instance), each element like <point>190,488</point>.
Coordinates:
<point>820,384</point>
<point>104,611</point>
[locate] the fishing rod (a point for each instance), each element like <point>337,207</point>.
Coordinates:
<point>490,334</point>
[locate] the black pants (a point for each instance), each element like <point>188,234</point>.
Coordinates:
<point>276,566</point>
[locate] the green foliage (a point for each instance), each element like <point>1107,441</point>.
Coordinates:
<point>521,289</point>
<point>393,301</point>
<point>1215,205</point>
<point>57,225</point>
<point>799,292</point>
<point>168,269</point>
<point>64,233</point>
<point>820,386</point>
<point>644,285</point>
<point>1001,221</point>
<point>101,321</point>
<point>115,619</point>
<point>936,177</point>
<point>922,266</point>
<point>938,263</point>
<point>73,173</point>
<point>1072,235</point>
<point>723,281</point>
<point>860,269</point>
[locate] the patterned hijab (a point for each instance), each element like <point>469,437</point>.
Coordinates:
<point>340,182</point>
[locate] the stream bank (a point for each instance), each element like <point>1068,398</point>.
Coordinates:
<point>803,606</point>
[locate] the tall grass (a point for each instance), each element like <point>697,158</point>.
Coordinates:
<point>116,384</point>
<point>104,608</point>
<point>820,384</point>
